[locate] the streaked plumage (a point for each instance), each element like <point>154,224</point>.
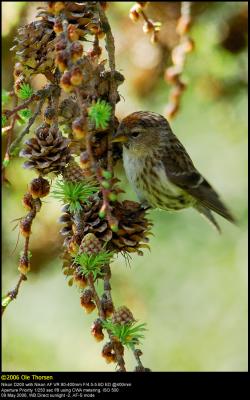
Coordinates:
<point>160,169</point>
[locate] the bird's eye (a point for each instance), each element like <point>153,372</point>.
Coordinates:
<point>135,134</point>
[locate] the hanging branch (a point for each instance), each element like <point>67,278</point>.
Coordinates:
<point>6,159</point>
<point>149,27</point>
<point>13,145</point>
<point>173,74</point>
<point>113,94</point>
<point>9,113</point>
<point>17,141</point>
<point>106,208</point>
<point>12,294</point>
<point>24,261</point>
<point>97,225</point>
<point>118,348</point>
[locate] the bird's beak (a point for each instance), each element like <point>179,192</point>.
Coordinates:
<point>120,138</point>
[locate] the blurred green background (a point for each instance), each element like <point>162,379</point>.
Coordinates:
<point>191,289</point>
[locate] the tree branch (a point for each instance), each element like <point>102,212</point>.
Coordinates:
<point>12,294</point>
<point>113,93</point>
<point>116,345</point>
<point>8,113</point>
<point>18,140</point>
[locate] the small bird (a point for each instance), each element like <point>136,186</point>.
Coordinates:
<point>160,170</point>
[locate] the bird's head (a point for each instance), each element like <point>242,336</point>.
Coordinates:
<point>141,131</point>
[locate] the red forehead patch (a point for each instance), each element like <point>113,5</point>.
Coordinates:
<point>132,119</point>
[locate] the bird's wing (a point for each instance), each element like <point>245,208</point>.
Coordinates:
<point>181,171</point>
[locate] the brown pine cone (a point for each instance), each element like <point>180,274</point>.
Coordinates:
<point>35,47</point>
<point>123,316</point>
<point>66,219</point>
<point>82,14</point>
<point>134,227</point>
<point>48,151</point>
<point>35,44</point>
<point>73,172</point>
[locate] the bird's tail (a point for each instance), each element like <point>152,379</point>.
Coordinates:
<point>208,214</point>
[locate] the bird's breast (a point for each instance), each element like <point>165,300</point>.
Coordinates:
<point>148,178</point>
<point>133,167</point>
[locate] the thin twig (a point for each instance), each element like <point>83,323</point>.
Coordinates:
<point>101,314</point>
<point>95,296</point>
<point>95,167</point>
<point>113,94</point>
<point>10,132</point>
<point>26,244</point>
<point>16,142</point>
<point>150,26</point>
<point>55,104</point>
<point>7,152</point>
<point>137,354</point>
<point>12,294</point>
<point>118,354</point>
<point>106,280</point>
<point>9,113</point>
<point>116,346</point>
<point>144,15</point>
